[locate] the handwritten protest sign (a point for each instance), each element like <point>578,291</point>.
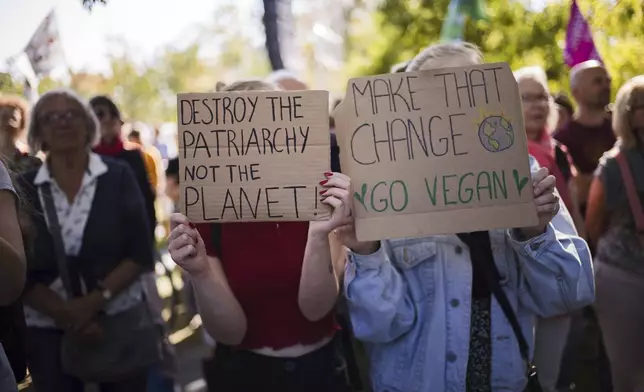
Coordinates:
<point>436,152</point>
<point>253,156</point>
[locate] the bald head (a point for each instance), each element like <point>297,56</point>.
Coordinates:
<point>287,81</point>
<point>578,70</point>
<point>590,84</point>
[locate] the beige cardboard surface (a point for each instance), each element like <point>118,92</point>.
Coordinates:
<point>253,156</point>
<point>436,152</point>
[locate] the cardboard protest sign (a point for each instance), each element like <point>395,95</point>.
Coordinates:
<point>436,152</point>
<point>253,156</point>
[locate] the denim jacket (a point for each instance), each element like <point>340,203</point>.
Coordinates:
<point>410,303</point>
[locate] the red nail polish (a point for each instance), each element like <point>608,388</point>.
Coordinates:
<point>322,192</point>
<point>323,182</point>
<point>328,174</point>
<point>192,225</point>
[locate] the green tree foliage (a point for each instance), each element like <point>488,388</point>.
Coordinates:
<point>8,85</point>
<point>399,29</point>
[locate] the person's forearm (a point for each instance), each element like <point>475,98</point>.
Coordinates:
<point>46,301</point>
<point>12,278</point>
<point>318,283</point>
<point>221,313</point>
<point>122,276</point>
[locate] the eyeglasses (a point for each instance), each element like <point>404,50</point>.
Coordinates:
<point>535,98</point>
<point>53,118</point>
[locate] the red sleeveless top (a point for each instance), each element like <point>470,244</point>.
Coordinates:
<point>263,264</point>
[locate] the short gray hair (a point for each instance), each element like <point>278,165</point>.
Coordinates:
<point>34,134</point>
<point>281,74</point>
<point>538,74</point>
<point>443,56</point>
<point>247,85</point>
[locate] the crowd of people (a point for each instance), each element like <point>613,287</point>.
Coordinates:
<point>305,306</point>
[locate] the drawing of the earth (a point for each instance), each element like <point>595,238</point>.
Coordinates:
<point>496,134</point>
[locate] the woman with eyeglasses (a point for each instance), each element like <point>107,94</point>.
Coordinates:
<point>84,297</point>
<point>540,117</point>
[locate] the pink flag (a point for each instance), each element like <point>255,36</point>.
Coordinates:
<point>579,39</point>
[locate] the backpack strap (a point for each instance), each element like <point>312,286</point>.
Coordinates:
<point>631,192</point>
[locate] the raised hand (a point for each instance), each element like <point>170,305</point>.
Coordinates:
<point>186,245</point>
<point>335,193</point>
<point>545,199</point>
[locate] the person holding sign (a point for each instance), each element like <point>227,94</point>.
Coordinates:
<point>266,291</point>
<point>455,312</point>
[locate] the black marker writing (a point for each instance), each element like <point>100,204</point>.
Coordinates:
<point>462,87</point>
<point>218,110</point>
<point>394,94</point>
<point>243,173</point>
<point>398,138</point>
<point>285,104</point>
<point>200,172</point>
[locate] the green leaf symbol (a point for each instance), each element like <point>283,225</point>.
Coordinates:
<point>356,196</point>
<point>360,197</point>
<point>520,182</point>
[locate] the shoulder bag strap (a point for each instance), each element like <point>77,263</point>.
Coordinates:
<point>631,192</point>
<point>55,231</point>
<point>493,279</point>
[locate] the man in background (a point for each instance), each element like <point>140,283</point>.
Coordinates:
<point>589,134</point>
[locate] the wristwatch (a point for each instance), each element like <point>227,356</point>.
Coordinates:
<point>105,292</point>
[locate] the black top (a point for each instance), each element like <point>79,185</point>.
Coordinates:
<point>479,244</point>
<point>134,159</point>
<point>335,154</point>
<point>117,229</point>
<point>173,168</point>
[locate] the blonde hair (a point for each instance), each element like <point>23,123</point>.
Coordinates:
<point>34,135</point>
<point>452,54</point>
<point>247,85</point>
<point>623,107</point>
<point>538,75</point>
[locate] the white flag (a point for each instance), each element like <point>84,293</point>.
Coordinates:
<point>31,91</point>
<point>45,50</point>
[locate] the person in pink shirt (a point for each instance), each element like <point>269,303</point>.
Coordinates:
<point>540,116</point>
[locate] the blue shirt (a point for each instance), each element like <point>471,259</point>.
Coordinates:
<point>410,302</point>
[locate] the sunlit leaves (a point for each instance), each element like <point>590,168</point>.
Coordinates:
<point>513,33</point>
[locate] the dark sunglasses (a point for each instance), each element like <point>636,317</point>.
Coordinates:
<point>100,114</point>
